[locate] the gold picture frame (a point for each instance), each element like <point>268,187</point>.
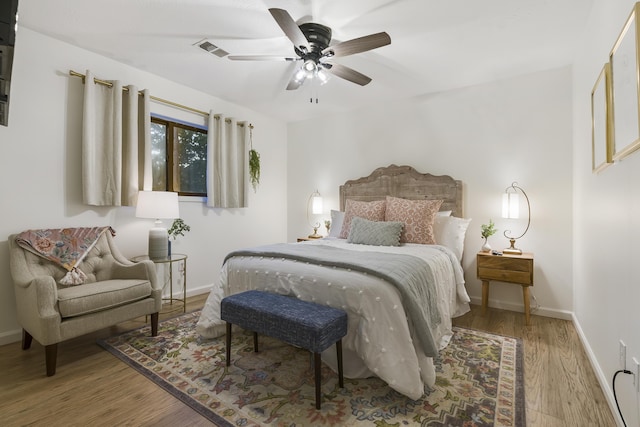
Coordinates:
<point>625,93</point>
<point>601,138</point>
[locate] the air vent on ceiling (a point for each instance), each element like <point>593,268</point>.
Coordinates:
<point>211,48</point>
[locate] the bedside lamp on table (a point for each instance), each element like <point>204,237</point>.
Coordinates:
<point>511,209</point>
<point>158,205</point>
<point>315,201</point>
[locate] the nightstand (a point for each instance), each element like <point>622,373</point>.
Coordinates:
<point>517,269</point>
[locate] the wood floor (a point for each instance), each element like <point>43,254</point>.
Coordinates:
<point>561,388</point>
<point>93,388</point>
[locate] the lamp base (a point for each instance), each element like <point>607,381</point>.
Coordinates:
<point>158,243</point>
<point>315,234</point>
<point>509,251</point>
<point>512,250</point>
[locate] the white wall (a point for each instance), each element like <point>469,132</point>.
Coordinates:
<point>487,136</point>
<point>40,167</point>
<point>607,224</point>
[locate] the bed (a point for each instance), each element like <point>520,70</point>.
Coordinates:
<point>394,331</point>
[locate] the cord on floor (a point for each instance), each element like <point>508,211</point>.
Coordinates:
<point>624,371</point>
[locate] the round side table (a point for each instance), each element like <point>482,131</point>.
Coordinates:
<point>170,261</point>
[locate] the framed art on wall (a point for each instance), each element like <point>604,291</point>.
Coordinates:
<point>601,141</point>
<point>623,60</point>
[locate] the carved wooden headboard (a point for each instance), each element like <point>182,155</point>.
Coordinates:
<point>407,183</point>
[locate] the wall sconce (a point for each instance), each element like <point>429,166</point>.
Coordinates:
<point>315,203</point>
<point>158,205</point>
<point>511,209</point>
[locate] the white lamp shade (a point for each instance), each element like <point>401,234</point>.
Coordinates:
<point>510,205</point>
<point>316,205</point>
<point>157,204</point>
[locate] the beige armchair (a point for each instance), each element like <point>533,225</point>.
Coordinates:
<point>114,291</point>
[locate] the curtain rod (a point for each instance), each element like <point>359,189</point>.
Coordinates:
<point>155,98</point>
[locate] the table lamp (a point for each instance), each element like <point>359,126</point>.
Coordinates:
<point>315,202</point>
<point>159,205</point>
<point>511,209</point>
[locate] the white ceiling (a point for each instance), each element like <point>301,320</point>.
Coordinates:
<point>436,44</point>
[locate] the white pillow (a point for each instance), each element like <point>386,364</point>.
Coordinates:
<point>336,223</point>
<point>450,231</point>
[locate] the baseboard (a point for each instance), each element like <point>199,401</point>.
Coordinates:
<point>199,291</point>
<point>602,379</point>
<point>10,337</point>
<point>539,311</point>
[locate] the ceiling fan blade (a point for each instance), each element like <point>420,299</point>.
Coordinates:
<point>347,73</point>
<point>260,58</point>
<point>290,28</point>
<point>361,44</point>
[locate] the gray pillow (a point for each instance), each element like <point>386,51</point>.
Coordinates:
<point>375,233</point>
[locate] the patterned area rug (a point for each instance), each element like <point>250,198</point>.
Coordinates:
<point>479,381</point>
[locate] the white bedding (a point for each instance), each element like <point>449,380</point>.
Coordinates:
<point>378,341</point>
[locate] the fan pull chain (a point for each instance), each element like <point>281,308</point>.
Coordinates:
<point>314,88</point>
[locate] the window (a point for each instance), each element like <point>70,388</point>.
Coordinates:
<point>179,157</point>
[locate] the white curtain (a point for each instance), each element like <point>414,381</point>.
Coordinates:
<point>116,144</point>
<point>226,162</point>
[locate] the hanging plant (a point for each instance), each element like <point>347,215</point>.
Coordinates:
<point>254,162</point>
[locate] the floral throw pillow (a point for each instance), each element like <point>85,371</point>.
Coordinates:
<point>416,215</point>
<point>373,211</point>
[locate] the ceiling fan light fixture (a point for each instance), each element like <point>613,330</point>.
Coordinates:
<point>310,65</point>
<point>300,75</point>
<point>322,76</point>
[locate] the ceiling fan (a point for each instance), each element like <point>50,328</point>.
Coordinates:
<point>311,45</point>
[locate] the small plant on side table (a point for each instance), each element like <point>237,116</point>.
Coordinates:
<point>178,228</point>
<point>487,231</point>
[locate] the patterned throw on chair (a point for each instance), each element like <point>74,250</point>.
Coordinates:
<point>66,247</point>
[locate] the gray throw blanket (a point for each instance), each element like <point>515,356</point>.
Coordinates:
<point>412,276</point>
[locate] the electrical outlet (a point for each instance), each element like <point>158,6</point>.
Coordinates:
<point>636,374</point>
<point>622,355</point>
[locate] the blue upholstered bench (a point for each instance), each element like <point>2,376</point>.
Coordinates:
<point>300,323</point>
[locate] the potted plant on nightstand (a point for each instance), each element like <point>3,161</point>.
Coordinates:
<point>178,228</point>
<point>487,231</point>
